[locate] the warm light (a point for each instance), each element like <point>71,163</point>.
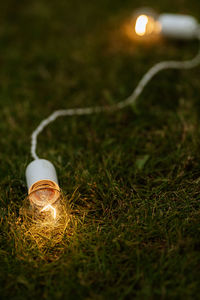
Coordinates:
<point>147,25</point>
<point>50,207</point>
<point>44,196</point>
<point>141,24</point>
<point>44,225</point>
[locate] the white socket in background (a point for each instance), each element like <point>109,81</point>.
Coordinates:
<point>178,26</point>
<point>38,170</point>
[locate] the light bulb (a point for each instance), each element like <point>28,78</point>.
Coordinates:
<point>43,190</point>
<point>45,213</point>
<point>145,22</point>
<point>43,197</point>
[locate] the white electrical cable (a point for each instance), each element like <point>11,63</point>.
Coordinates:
<point>189,64</point>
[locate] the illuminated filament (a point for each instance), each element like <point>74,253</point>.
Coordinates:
<point>141,24</point>
<point>50,207</point>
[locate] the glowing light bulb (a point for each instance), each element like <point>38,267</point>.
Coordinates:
<point>146,25</point>
<point>141,23</point>
<point>44,196</point>
<point>44,192</point>
<point>45,212</point>
<point>146,22</point>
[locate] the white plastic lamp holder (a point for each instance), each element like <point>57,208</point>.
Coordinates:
<point>178,26</point>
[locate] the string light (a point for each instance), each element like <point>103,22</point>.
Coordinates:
<point>41,177</point>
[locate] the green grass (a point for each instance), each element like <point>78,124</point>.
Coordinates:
<point>135,173</point>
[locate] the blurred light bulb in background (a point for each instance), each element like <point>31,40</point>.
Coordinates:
<point>141,24</point>
<point>145,22</point>
<point>146,25</point>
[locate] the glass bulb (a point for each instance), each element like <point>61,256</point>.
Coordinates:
<point>45,212</point>
<point>145,22</point>
<point>44,196</point>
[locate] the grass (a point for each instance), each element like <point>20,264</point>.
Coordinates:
<point>132,178</point>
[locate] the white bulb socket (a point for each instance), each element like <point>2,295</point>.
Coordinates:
<point>178,26</point>
<point>41,170</point>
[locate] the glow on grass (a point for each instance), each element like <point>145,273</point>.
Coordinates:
<point>42,229</point>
